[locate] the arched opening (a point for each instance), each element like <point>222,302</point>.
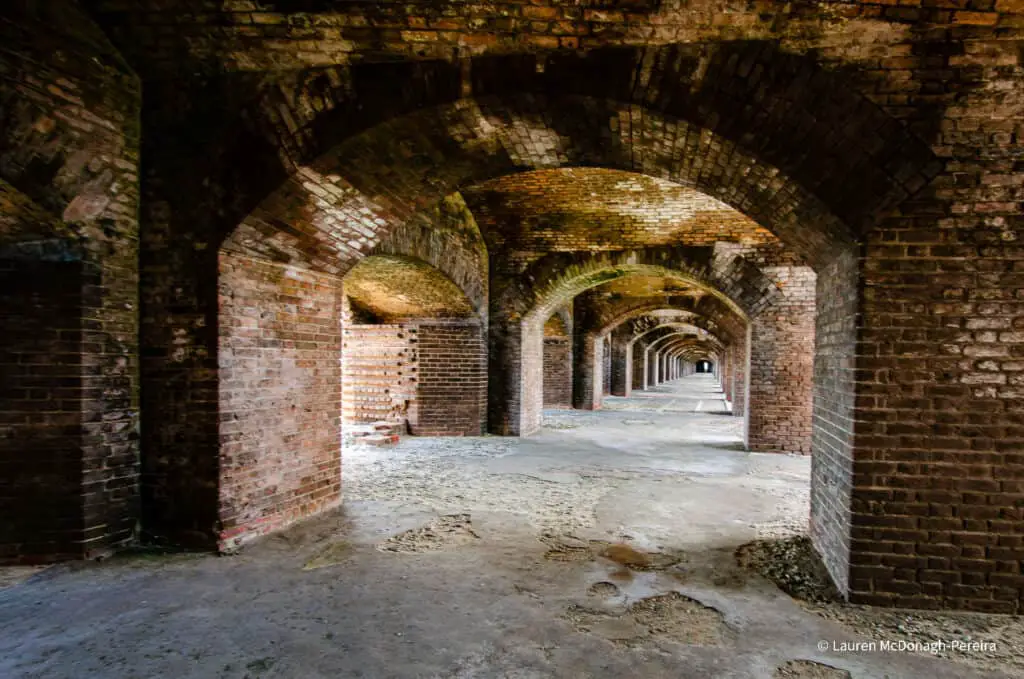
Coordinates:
<point>319,208</point>
<point>342,196</point>
<point>558,360</point>
<point>413,355</point>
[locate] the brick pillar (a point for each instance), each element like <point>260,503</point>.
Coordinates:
<point>588,363</point>
<point>515,382</point>
<point>557,372</point>
<point>638,356</point>
<point>652,368</point>
<point>622,365</point>
<point>739,380</point>
<point>832,465</point>
<point>606,366</point>
<point>782,365</point>
<point>725,372</point>
<point>279,397</point>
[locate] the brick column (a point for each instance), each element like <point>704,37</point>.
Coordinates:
<point>588,363</point>
<point>781,365</point>
<point>515,382</point>
<point>557,372</point>
<point>622,365</point>
<point>606,366</point>
<point>638,356</point>
<point>739,379</point>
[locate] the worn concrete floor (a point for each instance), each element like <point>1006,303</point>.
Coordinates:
<point>601,547</point>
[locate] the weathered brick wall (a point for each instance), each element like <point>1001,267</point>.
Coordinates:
<point>452,388</point>
<point>193,194</point>
<point>380,373</point>
<point>432,375</point>
<point>588,370</point>
<point>741,359</point>
<point>280,396</point>
<point>938,471</point>
<point>557,372</point>
<point>69,147</point>
<point>40,409</point>
<point>834,400</point>
<point>781,365</point>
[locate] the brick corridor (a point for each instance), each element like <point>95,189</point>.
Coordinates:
<point>700,393</point>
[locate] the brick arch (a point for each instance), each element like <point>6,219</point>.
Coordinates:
<point>676,334</point>
<point>674,341</point>
<point>336,206</point>
<point>686,119</point>
<point>642,310</point>
<point>450,241</point>
<point>676,327</point>
<point>515,390</point>
<point>555,279</point>
<point>733,97</point>
<point>395,288</point>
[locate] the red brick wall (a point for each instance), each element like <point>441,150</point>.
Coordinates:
<point>380,367</point>
<point>557,372</point>
<point>452,387</point>
<point>280,396</point>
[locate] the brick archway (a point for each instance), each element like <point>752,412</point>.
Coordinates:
<point>414,348</point>
<point>520,309</point>
<point>341,200</point>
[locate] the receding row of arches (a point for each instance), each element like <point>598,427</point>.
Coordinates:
<point>526,230</point>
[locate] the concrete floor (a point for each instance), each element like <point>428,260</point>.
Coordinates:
<point>601,547</point>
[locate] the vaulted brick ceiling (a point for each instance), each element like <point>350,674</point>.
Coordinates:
<point>602,209</point>
<point>389,288</point>
<point>646,286</point>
